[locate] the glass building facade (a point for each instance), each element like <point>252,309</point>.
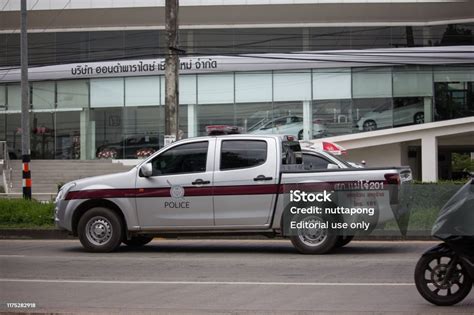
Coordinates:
<point>89,46</point>
<point>123,117</point>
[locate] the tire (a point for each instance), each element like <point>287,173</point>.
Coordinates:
<point>343,240</point>
<point>429,273</point>
<point>369,125</point>
<point>419,118</point>
<point>100,230</point>
<point>137,241</point>
<point>313,241</point>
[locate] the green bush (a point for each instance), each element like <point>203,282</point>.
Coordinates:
<point>20,213</point>
<point>427,199</point>
<point>433,196</point>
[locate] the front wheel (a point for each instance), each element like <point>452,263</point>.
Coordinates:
<point>313,239</point>
<point>369,125</point>
<point>419,118</point>
<point>100,230</point>
<point>441,279</point>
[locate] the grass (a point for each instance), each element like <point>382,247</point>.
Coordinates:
<point>19,213</point>
<point>426,202</point>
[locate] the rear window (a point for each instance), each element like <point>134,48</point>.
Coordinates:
<point>291,153</point>
<point>237,154</point>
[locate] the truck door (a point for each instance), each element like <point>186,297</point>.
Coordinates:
<point>179,193</point>
<point>245,181</point>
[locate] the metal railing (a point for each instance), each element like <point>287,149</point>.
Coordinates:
<point>6,168</point>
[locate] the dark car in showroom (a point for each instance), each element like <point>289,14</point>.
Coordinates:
<point>135,147</point>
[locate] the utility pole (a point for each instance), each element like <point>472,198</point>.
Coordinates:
<point>25,104</point>
<point>171,73</point>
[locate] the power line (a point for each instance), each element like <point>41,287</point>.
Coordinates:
<point>6,3</point>
<point>56,16</point>
<point>349,31</point>
<point>291,61</point>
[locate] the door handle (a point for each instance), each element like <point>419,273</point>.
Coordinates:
<point>261,178</point>
<point>201,182</point>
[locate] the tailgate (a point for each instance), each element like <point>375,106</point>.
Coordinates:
<point>401,209</point>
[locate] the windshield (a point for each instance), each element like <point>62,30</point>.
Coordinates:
<point>339,159</point>
<point>331,156</point>
<point>257,125</point>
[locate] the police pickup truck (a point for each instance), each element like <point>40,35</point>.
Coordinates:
<point>230,184</point>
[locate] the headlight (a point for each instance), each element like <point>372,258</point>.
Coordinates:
<point>64,190</point>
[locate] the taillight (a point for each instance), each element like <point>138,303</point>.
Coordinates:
<point>393,179</point>
<point>333,148</point>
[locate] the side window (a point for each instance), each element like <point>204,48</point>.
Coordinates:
<point>296,119</point>
<point>280,122</point>
<point>237,154</point>
<point>186,158</point>
<point>314,162</point>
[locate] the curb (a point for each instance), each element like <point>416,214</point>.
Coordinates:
<point>55,234</point>
<point>40,234</point>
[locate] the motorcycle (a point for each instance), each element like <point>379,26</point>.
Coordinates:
<point>444,274</point>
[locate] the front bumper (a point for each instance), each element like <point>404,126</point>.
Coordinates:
<point>59,215</point>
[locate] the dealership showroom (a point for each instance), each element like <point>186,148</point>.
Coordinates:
<point>388,86</point>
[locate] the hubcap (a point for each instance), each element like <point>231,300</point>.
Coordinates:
<point>312,236</point>
<point>99,230</point>
<point>438,275</point>
<point>369,126</point>
<point>419,119</point>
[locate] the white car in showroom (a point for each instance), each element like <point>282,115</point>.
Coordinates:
<point>289,125</point>
<point>384,117</point>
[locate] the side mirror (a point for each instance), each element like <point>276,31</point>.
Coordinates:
<point>146,170</point>
<point>332,166</point>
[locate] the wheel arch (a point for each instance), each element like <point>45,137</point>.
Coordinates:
<point>93,203</point>
<point>369,120</point>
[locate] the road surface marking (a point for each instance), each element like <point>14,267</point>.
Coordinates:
<point>209,282</point>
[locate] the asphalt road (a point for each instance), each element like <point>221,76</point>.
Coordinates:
<point>214,276</point>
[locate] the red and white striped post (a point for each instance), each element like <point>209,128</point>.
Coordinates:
<point>26,177</point>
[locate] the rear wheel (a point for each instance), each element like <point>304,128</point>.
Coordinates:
<point>100,230</point>
<point>439,286</point>
<point>313,240</point>
<point>137,241</point>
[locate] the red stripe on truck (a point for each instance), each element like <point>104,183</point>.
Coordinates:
<point>192,191</point>
<point>165,192</point>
